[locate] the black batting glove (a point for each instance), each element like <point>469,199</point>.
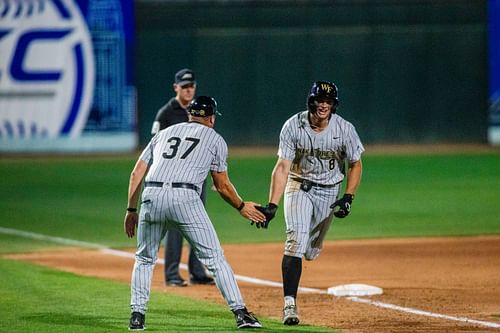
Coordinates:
<point>344,206</point>
<point>269,211</point>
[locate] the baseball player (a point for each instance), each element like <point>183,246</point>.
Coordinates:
<point>174,165</point>
<point>313,148</point>
<point>172,113</point>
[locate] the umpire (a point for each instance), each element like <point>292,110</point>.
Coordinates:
<point>174,112</point>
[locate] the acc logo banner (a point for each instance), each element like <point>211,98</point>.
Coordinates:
<point>46,69</point>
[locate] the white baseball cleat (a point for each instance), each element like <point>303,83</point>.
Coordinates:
<point>290,315</point>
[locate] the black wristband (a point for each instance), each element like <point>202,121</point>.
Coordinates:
<point>131,210</point>
<point>272,206</point>
<point>240,207</point>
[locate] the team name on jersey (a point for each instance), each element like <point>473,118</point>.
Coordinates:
<point>321,154</point>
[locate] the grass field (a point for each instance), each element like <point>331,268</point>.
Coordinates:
<point>36,299</point>
<point>84,199</point>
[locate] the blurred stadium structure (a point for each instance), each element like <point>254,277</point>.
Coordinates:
<point>408,71</point>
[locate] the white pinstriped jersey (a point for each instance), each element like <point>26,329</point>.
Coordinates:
<point>319,156</point>
<point>185,153</point>
<point>181,153</point>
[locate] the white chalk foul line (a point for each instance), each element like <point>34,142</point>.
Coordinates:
<point>242,278</point>
<point>248,279</point>
<point>58,240</point>
<point>422,313</point>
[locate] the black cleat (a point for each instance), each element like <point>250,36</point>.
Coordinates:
<point>177,283</point>
<point>207,280</point>
<point>245,319</point>
<point>137,322</point>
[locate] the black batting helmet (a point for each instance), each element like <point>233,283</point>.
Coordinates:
<point>322,89</point>
<point>203,106</point>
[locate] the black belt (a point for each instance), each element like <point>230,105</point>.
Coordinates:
<point>309,183</point>
<point>176,185</point>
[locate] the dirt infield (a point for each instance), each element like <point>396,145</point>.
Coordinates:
<point>458,277</point>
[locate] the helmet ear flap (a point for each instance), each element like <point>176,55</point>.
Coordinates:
<point>310,104</point>
<point>334,105</point>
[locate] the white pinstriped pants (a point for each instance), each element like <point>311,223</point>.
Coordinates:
<point>308,217</point>
<point>165,208</point>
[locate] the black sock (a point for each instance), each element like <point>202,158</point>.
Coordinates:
<point>291,268</point>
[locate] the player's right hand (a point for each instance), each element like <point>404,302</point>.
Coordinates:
<point>130,223</point>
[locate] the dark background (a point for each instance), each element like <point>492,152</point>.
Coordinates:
<point>407,71</point>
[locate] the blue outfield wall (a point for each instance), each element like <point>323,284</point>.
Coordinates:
<point>494,70</point>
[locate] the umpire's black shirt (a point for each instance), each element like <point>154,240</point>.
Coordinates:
<point>171,113</point>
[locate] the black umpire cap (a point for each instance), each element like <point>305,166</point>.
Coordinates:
<point>184,76</point>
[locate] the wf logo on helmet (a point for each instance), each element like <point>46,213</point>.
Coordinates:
<point>326,87</point>
<point>46,69</point>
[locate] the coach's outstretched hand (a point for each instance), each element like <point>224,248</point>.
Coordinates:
<point>269,211</point>
<point>249,211</point>
<point>130,223</point>
<point>344,206</point>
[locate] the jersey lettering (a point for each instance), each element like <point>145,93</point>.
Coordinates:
<point>195,142</point>
<point>174,147</point>
<point>332,164</point>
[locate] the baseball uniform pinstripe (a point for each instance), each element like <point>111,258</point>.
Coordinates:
<point>181,154</point>
<point>318,157</point>
<point>170,114</point>
<point>315,148</point>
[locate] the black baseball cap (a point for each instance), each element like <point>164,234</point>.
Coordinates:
<point>203,106</point>
<point>184,76</point>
